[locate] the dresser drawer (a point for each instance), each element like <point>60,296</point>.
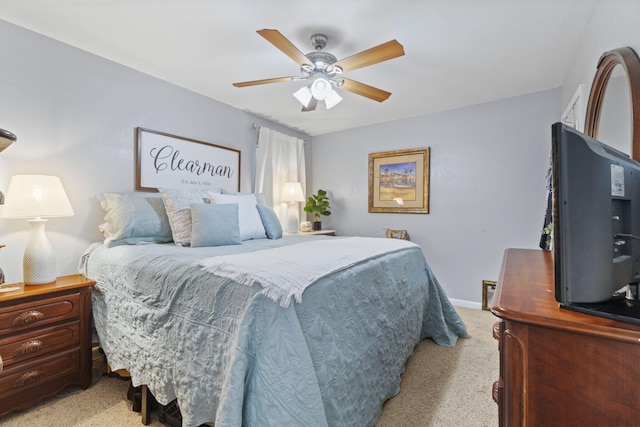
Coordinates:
<point>21,347</point>
<point>40,312</point>
<point>37,372</point>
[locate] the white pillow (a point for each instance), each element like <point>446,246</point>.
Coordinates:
<point>250,222</point>
<point>177,203</point>
<point>133,218</point>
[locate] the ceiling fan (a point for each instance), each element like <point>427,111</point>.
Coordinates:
<point>325,71</point>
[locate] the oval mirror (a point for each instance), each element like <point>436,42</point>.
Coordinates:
<point>613,108</point>
<point>614,125</point>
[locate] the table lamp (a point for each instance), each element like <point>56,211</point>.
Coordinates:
<point>37,197</point>
<point>6,139</point>
<point>292,194</point>
<point>1,272</point>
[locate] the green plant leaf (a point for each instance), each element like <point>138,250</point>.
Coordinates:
<point>318,204</point>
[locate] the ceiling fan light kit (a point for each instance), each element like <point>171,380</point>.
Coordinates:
<point>320,88</point>
<point>324,70</point>
<point>332,99</point>
<point>303,95</point>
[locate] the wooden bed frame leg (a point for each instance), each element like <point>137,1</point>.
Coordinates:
<point>145,410</point>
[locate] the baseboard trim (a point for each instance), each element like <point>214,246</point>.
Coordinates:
<point>467,304</point>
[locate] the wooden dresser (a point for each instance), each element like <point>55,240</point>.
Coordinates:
<point>559,367</point>
<point>45,340</point>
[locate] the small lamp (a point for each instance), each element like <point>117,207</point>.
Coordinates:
<point>6,139</point>
<point>37,197</point>
<point>292,194</point>
<point>1,272</point>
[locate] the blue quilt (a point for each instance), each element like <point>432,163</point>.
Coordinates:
<point>231,355</point>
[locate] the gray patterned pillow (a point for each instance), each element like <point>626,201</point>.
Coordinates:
<point>177,203</point>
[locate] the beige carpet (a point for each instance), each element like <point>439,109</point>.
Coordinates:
<point>440,387</point>
<point>449,386</point>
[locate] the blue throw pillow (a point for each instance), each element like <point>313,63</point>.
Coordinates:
<point>270,221</point>
<point>214,225</point>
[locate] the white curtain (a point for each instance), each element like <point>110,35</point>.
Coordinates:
<point>280,159</point>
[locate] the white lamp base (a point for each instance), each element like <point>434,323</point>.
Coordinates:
<point>292,218</point>
<point>39,263</point>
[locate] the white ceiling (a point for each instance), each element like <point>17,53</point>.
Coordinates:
<point>458,52</point>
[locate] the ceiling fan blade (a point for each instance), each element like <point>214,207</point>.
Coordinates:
<point>365,90</point>
<point>281,42</point>
<point>264,81</point>
<point>312,105</point>
<point>383,52</point>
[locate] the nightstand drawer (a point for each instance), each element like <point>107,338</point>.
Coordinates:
<point>20,316</point>
<point>37,372</point>
<point>30,344</point>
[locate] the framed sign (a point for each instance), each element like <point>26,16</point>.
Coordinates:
<point>170,161</point>
<point>399,181</point>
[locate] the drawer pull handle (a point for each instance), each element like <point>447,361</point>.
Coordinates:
<point>28,347</point>
<point>1,364</point>
<point>496,392</point>
<point>497,329</point>
<point>28,378</point>
<point>28,317</point>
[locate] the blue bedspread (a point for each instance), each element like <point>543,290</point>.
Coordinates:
<point>231,355</point>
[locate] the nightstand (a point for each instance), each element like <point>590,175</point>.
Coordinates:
<point>312,233</point>
<point>318,232</point>
<point>45,340</point>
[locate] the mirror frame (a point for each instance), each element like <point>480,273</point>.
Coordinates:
<point>629,60</point>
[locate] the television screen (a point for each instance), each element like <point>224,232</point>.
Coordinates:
<point>596,224</point>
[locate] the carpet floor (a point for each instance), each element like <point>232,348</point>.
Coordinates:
<point>441,387</point>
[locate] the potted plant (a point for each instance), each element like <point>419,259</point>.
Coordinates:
<point>318,204</point>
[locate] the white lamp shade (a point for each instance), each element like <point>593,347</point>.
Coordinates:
<point>303,95</point>
<point>321,88</point>
<point>35,196</point>
<point>292,192</point>
<point>332,100</point>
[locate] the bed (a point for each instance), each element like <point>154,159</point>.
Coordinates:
<point>235,351</point>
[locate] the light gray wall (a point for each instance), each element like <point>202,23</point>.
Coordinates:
<point>487,192</point>
<point>74,115</point>
<point>488,165</point>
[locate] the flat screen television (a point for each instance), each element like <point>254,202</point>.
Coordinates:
<point>596,226</point>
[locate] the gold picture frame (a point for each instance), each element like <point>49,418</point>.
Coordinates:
<point>399,181</point>
<point>488,289</point>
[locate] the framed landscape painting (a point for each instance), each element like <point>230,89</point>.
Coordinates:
<point>399,181</point>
